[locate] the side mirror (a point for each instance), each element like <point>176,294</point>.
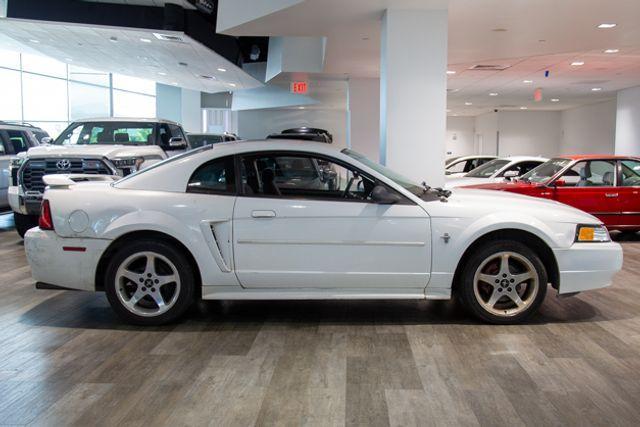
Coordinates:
<point>383,196</point>
<point>46,140</point>
<point>177,143</point>
<point>511,174</point>
<point>559,183</point>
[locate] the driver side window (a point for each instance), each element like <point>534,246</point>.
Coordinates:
<point>593,173</point>
<point>302,176</point>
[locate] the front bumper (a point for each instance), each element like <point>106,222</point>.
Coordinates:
<point>25,204</point>
<point>586,266</point>
<point>51,264</point>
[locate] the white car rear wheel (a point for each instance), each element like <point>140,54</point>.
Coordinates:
<point>149,282</point>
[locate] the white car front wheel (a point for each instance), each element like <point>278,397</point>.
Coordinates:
<point>149,282</point>
<point>503,282</point>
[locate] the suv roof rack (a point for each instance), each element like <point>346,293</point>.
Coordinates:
<point>17,123</point>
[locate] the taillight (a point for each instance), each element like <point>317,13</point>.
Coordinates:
<point>45,222</point>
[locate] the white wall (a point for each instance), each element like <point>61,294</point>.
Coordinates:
<point>257,124</point>
<point>364,115</point>
<point>529,133</point>
<point>627,140</point>
<point>589,130</point>
<point>191,111</point>
<point>460,136</point>
<point>486,127</point>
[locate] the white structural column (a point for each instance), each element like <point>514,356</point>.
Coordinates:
<point>628,122</point>
<point>413,93</point>
<point>364,117</point>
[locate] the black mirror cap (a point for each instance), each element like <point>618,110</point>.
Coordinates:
<point>381,195</point>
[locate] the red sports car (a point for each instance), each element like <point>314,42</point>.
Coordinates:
<point>605,186</point>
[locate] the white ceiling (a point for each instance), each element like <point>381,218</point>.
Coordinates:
<point>540,34</point>
<point>124,51</point>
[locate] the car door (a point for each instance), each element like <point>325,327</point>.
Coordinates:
<point>590,186</point>
<point>304,221</point>
<point>629,193</point>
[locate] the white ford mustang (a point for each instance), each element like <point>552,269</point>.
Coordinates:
<point>300,220</point>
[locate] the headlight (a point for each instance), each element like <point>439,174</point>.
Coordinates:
<point>16,162</point>
<point>592,233</point>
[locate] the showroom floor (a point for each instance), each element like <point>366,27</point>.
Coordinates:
<point>65,358</point>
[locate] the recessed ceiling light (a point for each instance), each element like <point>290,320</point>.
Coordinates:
<point>577,63</point>
<point>162,73</point>
<point>527,81</point>
<point>607,25</point>
<point>143,40</point>
<point>222,70</point>
<point>555,100</point>
<point>468,103</point>
<point>596,89</point>
<point>34,41</point>
<point>455,115</point>
<point>300,108</point>
<point>174,83</point>
<point>450,72</point>
<point>612,51</point>
<point>493,94</point>
<point>232,84</point>
<point>523,108</point>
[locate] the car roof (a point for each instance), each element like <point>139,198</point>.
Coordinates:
<point>524,158</point>
<point>126,119</point>
<point>20,126</point>
<point>596,156</point>
<point>476,156</point>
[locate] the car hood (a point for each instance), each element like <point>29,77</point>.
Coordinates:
<point>505,186</point>
<point>470,203</point>
<point>110,151</point>
<point>462,181</point>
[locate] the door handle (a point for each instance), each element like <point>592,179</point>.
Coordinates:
<point>611,195</point>
<point>263,214</point>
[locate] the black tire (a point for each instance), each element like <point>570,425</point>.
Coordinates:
<point>465,284</point>
<point>185,271</point>
<point>24,223</point>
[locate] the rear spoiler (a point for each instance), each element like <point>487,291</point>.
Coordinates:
<point>66,180</point>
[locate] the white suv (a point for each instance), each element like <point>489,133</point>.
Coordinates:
<point>112,146</point>
<point>14,139</point>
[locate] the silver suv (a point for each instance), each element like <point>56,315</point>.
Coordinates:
<point>14,138</point>
<point>111,146</point>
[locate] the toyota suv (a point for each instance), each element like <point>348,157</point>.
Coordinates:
<point>113,146</point>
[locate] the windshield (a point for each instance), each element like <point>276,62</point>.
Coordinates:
<point>545,171</point>
<point>94,133</point>
<point>200,140</point>
<point>406,183</point>
<point>488,169</point>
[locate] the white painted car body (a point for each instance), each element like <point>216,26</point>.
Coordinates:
<point>461,180</point>
<point>307,249</point>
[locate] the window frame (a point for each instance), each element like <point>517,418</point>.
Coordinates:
<point>616,176</point>
<point>283,153</point>
<point>210,191</point>
<point>620,173</point>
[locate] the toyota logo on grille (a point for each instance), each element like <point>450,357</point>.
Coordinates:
<point>63,164</point>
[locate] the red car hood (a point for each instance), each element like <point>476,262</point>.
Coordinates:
<point>514,186</point>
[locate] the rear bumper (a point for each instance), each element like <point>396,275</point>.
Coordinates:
<point>586,266</point>
<point>51,264</point>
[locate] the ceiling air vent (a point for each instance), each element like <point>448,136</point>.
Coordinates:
<point>486,67</point>
<point>168,37</point>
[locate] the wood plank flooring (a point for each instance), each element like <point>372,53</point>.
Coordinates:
<point>65,359</point>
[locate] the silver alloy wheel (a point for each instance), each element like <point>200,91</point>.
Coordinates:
<point>147,284</point>
<point>505,284</point>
